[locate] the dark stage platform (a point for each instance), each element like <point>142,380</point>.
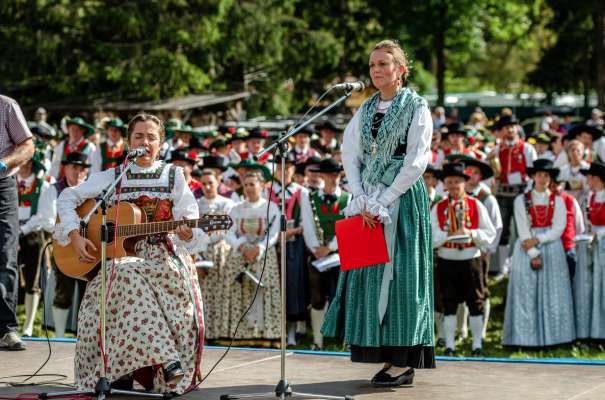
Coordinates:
<point>249,370</point>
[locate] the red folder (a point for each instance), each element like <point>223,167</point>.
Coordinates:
<point>358,245</point>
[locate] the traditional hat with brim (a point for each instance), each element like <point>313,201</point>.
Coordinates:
<point>182,155</point>
<point>486,170</point>
<point>454,169</point>
<point>594,131</point>
<point>216,162</point>
<point>596,169</point>
<point>118,124</point>
<point>505,121</point>
<point>314,160</point>
<point>257,133</point>
<point>542,138</point>
<point>432,170</point>
<point>250,164</point>
<point>544,165</point>
<point>76,158</point>
<point>43,130</point>
<point>88,129</point>
<point>455,127</point>
<point>218,143</point>
<point>328,125</point>
<point>171,125</point>
<point>327,166</point>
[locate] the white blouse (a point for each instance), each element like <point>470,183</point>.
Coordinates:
<point>524,229</point>
<point>417,157</point>
<point>184,204</point>
<point>257,210</point>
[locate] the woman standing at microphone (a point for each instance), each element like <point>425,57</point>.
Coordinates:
<point>154,324</point>
<point>385,313</point>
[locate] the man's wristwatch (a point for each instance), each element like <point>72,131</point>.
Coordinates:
<point>3,166</point>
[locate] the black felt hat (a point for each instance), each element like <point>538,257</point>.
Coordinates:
<point>329,125</point>
<point>505,121</point>
<point>218,162</point>
<point>182,155</point>
<point>432,170</point>
<point>596,168</point>
<point>76,158</point>
<point>544,165</point>
<point>257,133</point>
<point>327,166</point>
<point>455,169</point>
<point>455,127</point>
<point>468,161</point>
<point>594,131</point>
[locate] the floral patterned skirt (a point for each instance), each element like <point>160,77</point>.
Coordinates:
<point>263,319</point>
<point>154,316</point>
<point>215,287</point>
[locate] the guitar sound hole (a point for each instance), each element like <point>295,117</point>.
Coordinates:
<point>110,231</point>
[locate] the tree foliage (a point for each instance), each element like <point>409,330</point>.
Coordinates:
<point>285,52</point>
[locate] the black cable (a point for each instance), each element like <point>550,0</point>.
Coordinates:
<point>260,279</point>
<point>234,335</point>
<point>50,351</point>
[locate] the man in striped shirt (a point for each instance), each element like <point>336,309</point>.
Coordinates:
<point>16,148</point>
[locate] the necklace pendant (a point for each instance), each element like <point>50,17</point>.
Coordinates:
<point>374,150</point>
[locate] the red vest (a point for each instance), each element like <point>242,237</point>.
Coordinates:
<point>597,212</point>
<point>541,215</point>
<point>512,159</point>
<point>570,228</point>
<point>446,214</point>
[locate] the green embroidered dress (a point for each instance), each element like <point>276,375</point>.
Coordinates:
<point>385,312</point>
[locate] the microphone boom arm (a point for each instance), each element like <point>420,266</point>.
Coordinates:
<point>293,131</point>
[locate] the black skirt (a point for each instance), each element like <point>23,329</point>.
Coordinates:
<point>399,356</point>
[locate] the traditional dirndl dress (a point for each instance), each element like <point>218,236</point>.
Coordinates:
<point>385,312</point>
<point>154,305</point>
<point>582,289</point>
<point>251,227</point>
<point>597,219</point>
<point>539,304</point>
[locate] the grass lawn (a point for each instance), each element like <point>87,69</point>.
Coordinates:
<point>492,345</point>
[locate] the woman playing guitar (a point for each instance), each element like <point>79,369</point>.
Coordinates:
<point>154,325</point>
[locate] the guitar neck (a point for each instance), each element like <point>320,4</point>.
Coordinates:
<point>152,228</point>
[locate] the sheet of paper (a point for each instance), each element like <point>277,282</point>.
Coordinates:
<point>514,178</point>
<point>327,262</point>
<point>204,264</point>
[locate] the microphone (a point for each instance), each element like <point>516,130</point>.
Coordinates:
<point>138,152</point>
<point>351,86</point>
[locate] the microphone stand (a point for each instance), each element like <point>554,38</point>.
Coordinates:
<point>102,388</point>
<point>283,388</point>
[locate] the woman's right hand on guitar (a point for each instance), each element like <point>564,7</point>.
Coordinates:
<point>82,246</point>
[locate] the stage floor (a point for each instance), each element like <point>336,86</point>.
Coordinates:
<point>244,371</point>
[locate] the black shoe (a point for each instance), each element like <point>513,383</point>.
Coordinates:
<point>380,375</point>
<point>449,352</point>
<point>440,343</point>
<point>386,380</point>
<point>172,371</point>
<point>124,383</point>
<point>478,352</point>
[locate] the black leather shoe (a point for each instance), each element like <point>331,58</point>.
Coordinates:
<point>124,383</point>
<point>449,352</point>
<point>172,371</point>
<point>478,352</point>
<point>386,380</point>
<point>380,374</point>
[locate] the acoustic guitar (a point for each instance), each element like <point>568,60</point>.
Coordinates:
<point>132,223</point>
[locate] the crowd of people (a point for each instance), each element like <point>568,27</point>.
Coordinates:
<point>529,206</point>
